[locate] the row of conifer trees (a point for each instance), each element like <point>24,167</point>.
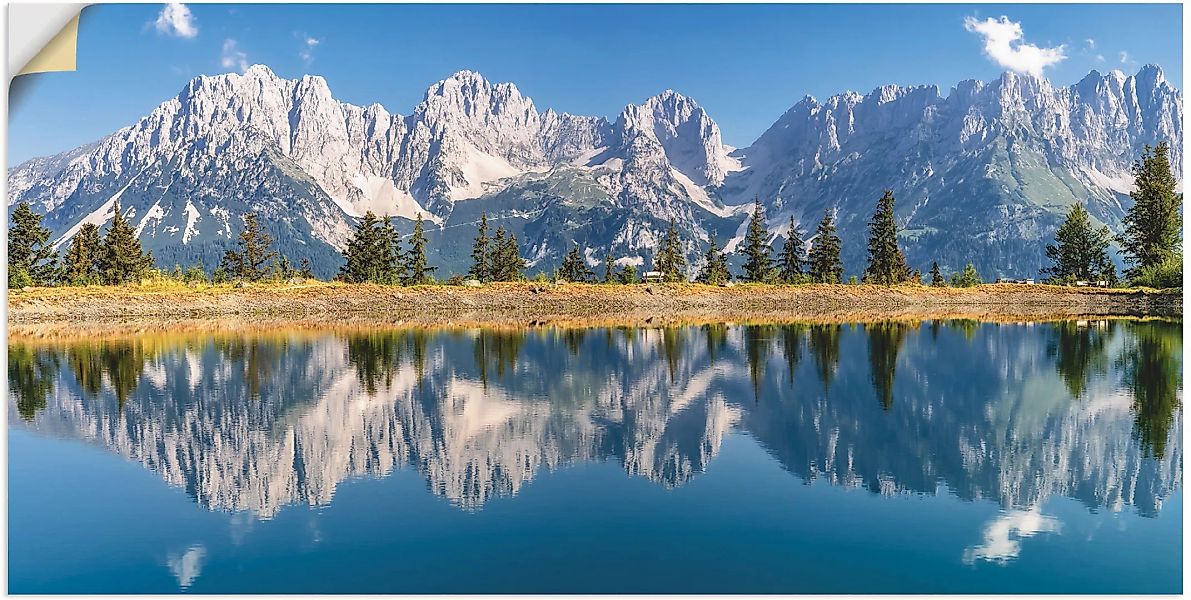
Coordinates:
<point>376,253</point>
<point>115,257</point>
<point>1150,244</point>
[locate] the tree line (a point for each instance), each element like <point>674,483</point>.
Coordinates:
<point>115,256</point>
<point>1151,240</point>
<point>1150,244</point>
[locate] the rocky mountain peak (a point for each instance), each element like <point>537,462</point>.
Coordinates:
<point>1004,157</point>
<point>682,130</point>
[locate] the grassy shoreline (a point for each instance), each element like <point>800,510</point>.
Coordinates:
<point>151,305</point>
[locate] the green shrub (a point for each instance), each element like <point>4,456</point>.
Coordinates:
<point>968,278</point>
<point>1166,274</point>
<point>18,278</point>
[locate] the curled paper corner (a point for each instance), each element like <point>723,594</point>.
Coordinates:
<point>42,37</point>
<point>58,54</point>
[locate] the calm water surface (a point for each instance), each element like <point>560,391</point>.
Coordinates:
<point>945,456</point>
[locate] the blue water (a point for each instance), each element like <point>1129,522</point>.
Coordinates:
<point>928,457</point>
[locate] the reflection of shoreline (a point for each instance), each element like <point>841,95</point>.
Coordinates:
<point>258,422</point>
<point>58,332</point>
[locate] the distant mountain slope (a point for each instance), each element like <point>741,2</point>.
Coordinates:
<point>983,174</point>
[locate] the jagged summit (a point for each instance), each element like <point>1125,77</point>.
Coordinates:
<point>981,174</point>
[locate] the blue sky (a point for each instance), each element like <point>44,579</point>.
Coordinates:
<point>746,64</point>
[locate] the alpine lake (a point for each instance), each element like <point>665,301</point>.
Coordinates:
<point>907,456</point>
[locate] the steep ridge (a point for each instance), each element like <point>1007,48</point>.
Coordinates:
<point>983,174</point>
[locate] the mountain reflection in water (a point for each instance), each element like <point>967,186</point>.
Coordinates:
<point>1010,413</point>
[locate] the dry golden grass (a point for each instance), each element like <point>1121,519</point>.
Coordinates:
<point>172,305</point>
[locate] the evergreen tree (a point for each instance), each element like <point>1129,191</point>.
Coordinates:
<point>1153,225</point>
<point>715,266</point>
<point>496,266</point>
<point>968,278</point>
<point>229,266</point>
<point>825,263</point>
<point>391,268</point>
<point>305,271</point>
<point>609,269</point>
<point>671,260</point>
<point>628,274</point>
<point>250,261</point>
<point>936,276</point>
<point>283,268</point>
<point>512,264</point>
<point>122,260</point>
<point>574,267</point>
<point>417,270</point>
<point>362,255</point>
<point>756,247</point>
<point>481,253</point>
<point>31,261</point>
<point>81,263</point>
<point>1079,252</point>
<point>790,261</point>
<point>886,263</point>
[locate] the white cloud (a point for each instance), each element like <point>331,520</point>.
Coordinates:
<point>187,567</point>
<point>175,19</point>
<point>307,52</point>
<point>1124,57</point>
<point>233,57</point>
<point>1091,43</point>
<point>1099,58</point>
<point>1003,535</point>
<point>1003,44</point>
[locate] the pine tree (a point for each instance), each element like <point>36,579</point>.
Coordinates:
<point>715,266</point>
<point>373,255</point>
<point>122,260</point>
<point>1153,225</point>
<point>1079,252</point>
<point>362,255</point>
<point>825,263</point>
<point>886,263</point>
<point>609,269</point>
<point>481,254</point>
<point>30,258</point>
<point>417,270</point>
<point>936,276</point>
<point>81,263</point>
<point>250,261</point>
<point>671,260</point>
<point>628,274</point>
<point>391,268</point>
<point>791,261</point>
<point>756,247</point>
<point>512,265</point>
<point>305,271</point>
<point>283,268</point>
<point>574,267</point>
<point>968,278</point>
<point>496,266</point>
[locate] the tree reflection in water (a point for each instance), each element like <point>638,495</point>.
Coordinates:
<point>1009,412</point>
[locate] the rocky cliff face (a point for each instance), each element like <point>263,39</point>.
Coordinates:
<point>983,174</point>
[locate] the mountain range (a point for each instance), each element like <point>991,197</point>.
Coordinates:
<point>983,174</point>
